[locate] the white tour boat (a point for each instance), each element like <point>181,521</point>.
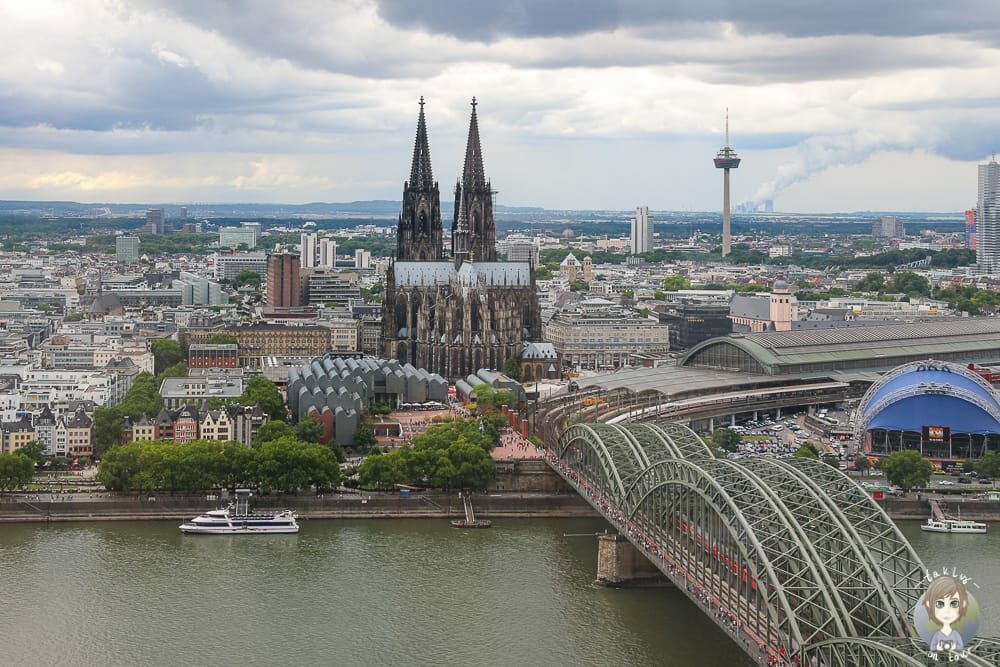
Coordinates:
<point>236,519</point>
<point>953,526</point>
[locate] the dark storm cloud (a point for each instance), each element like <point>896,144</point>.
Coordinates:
<point>489,21</point>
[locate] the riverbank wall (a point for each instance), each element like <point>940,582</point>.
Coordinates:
<point>910,508</point>
<point>334,506</point>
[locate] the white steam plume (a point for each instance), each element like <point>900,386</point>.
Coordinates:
<point>818,154</point>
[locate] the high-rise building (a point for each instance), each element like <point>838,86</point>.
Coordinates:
<point>642,231</point>
<point>284,288</point>
<point>184,212</point>
<point>988,218</point>
<point>155,221</point>
<point>328,253</point>
<point>307,249</point>
<point>970,229</point>
<point>888,228</point>
<point>362,259</point>
<point>768,206</point>
<point>127,249</point>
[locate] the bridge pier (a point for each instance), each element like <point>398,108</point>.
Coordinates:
<point>620,564</point>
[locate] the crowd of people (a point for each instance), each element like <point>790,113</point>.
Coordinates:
<point>712,605</point>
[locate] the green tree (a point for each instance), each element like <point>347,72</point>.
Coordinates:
<point>365,439</point>
<point>578,286</point>
<point>911,284</point>
<point>143,397</point>
<point>806,452</point>
<point>120,469</point>
<point>166,352</point>
<point>262,391</point>
<point>907,469</point>
<point>221,338</point>
<point>659,296</point>
<point>512,369</point>
<point>484,396</point>
<point>505,397</point>
<point>726,439</point>
<point>16,471</point>
<point>287,464</point>
<point>873,282</point>
<point>309,429</point>
<point>862,464</point>
<point>274,430</point>
<point>178,370</point>
<point>246,277</point>
<point>34,450</point>
<point>379,471</point>
<point>675,283</point>
<point>989,466</point>
<point>107,429</point>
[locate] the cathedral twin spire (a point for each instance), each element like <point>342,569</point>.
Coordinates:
<point>473,228</point>
<point>421,177</point>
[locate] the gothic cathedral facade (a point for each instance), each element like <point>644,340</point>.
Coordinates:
<point>455,315</point>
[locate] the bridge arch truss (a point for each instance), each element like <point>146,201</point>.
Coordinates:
<point>791,557</point>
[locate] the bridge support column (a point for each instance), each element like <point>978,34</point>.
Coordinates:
<point>779,413</point>
<point>732,419</point>
<point>620,564</point>
<point>755,417</point>
<point>711,424</point>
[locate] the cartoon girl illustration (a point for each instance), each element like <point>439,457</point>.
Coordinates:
<point>946,602</point>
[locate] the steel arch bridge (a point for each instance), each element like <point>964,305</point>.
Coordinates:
<point>789,556</point>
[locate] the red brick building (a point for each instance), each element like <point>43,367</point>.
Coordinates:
<point>208,355</point>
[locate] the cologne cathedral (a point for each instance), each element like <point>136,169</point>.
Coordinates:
<point>455,315</point>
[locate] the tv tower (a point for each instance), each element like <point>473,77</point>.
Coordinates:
<point>726,159</point>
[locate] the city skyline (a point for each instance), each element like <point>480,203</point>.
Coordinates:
<point>606,108</point>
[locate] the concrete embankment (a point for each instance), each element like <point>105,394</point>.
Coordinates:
<point>910,508</point>
<point>336,506</point>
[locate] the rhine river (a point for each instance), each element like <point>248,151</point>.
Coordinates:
<point>377,592</point>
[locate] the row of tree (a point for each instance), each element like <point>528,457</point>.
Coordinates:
<point>454,454</point>
<point>284,464</point>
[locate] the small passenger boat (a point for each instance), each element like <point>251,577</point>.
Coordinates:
<point>953,526</point>
<point>236,519</point>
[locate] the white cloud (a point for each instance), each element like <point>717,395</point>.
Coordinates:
<point>142,100</point>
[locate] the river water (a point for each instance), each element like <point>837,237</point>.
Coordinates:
<point>378,592</point>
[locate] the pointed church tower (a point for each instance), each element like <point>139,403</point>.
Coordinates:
<point>473,232</point>
<point>420,233</point>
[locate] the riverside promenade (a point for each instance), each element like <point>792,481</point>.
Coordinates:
<point>120,507</point>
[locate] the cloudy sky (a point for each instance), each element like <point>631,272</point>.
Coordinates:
<point>850,105</point>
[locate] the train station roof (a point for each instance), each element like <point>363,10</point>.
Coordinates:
<point>847,348</point>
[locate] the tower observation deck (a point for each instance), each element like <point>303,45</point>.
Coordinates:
<point>726,159</point>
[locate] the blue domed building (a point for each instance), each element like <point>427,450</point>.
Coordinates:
<point>943,410</point>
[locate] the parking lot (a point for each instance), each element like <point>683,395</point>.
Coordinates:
<point>780,438</point>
